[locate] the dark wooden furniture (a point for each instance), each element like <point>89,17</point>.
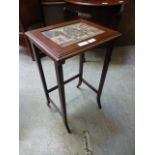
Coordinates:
<point>127,25</point>
<point>60,51</point>
<point>23,41</point>
<point>96,2</point>
<point>107,12</point>
<point>53,11</point>
<point>31,17</point>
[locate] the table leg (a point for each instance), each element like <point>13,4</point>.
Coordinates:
<point>84,58</point>
<point>81,69</point>
<point>39,64</point>
<point>60,80</point>
<point>104,72</point>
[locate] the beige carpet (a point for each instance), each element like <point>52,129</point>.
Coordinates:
<point>109,131</point>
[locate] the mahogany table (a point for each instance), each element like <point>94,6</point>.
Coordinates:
<point>106,12</point>
<point>97,2</point>
<point>62,41</point>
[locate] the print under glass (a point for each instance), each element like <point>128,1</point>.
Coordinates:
<point>71,34</point>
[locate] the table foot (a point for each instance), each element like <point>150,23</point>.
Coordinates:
<point>79,84</point>
<point>99,102</point>
<point>67,127</point>
<point>48,103</point>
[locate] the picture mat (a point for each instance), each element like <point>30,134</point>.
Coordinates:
<point>71,34</point>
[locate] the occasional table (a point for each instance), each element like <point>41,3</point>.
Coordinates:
<point>65,40</point>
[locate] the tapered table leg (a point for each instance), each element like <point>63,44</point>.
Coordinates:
<point>80,69</point>
<point>60,80</point>
<point>84,58</point>
<point>104,72</point>
<point>39,64</point>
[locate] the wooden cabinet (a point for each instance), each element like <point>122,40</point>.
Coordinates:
<point>53,11</point>
<point>30,16</point>
<point>127,25</point>
<point>30,12</point>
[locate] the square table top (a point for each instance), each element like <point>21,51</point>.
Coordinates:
<point>67,39</point>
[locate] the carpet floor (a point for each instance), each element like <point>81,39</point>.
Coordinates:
<point>109,131</point>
